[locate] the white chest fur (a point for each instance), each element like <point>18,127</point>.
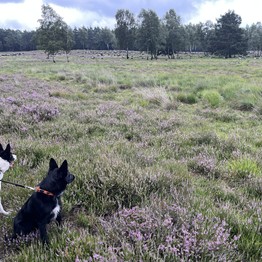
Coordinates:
<point>4,165</point>
<point>56,210</point>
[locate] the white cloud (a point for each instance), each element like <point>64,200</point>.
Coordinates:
<point>75,17</point>
<point>250,11</point>
<point>25,16</point>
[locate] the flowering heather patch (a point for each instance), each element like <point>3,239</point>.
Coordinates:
<point>32,112</point>
<point>116,112</point>
<point>256,218</point>
<point>33,96</point>
<point>7,244</point>
<point>171,233</point>
<point>116,116</point>
<point>30,100</point>
<point>204,164</point>
<point>10,100</point>
<point>39,113</point>
<point>204,138</point>
<point>171,123</point>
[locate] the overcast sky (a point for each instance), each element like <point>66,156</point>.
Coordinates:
<point>23,14</point>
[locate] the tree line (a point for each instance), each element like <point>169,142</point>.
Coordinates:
<point>146,32</point>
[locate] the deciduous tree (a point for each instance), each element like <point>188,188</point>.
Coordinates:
<point>53,34</point>
<point>254,34</point>
<point>149,31</point>
<point>125,30</point>
<point>172,23</point>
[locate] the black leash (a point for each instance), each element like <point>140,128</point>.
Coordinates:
<point>18,185</point>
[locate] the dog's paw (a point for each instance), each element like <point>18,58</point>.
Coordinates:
<point>7,213</point>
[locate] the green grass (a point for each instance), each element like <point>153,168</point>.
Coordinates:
<point>166,155</point>
<point>211,97</point>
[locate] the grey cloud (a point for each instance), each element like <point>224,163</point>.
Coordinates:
<point>183,8</point>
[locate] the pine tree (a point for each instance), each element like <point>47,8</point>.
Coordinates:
<point>229,38</point>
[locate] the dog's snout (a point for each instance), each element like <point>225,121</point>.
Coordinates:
<point>12,160</point>
<point>70,178</point>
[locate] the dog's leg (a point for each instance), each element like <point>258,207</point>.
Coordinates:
<point>43,233</point>
<point>59,219</point>
<point>2,211</point>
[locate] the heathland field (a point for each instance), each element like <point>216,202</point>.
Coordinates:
<point>167,155</point>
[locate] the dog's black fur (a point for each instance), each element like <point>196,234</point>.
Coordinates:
<point>40,209</point>
<point>1,148</point>
<point>6,153</point>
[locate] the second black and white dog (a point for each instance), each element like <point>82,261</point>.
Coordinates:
<point>6,161</point>
<point>44,205</point>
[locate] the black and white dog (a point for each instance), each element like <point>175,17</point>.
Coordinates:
<point>6,161</point>
<point>44,205</point>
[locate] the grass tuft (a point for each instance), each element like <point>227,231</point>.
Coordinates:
<point>211,97</point>
<point>244,168</point>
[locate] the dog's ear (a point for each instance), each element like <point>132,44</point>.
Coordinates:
<point>8,149</point>
<point>6,152</point>
<point>64,167</point>
<point>52,164</point>
<point>1,148</point>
